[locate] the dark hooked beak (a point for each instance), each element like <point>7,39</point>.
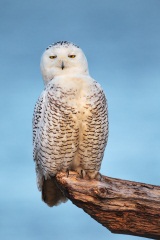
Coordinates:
<point>62,65</point>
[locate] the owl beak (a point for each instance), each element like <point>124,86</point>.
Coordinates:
<point>62,65</point>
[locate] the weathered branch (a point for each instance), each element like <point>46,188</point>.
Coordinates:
<point>122,206</point>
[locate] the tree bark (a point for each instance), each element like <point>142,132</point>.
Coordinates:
<point>124,207</point>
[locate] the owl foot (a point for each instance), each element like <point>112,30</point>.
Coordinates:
<point>88,174</point>
<point>81,172</point>
<point>94,175</point>
<point>98,177</point>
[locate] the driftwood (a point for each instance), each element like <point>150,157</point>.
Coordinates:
<point>124,207</point>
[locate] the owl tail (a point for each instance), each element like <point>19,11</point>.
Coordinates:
<point>51,194</point>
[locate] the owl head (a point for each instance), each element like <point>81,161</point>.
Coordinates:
<point>62,58</point>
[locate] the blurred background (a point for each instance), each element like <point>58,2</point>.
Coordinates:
<point>121,40</point>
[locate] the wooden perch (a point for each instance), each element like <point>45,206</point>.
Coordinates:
<point>122,206</point>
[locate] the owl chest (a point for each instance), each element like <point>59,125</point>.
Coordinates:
<point>78,103</point>
<point>71,104</point>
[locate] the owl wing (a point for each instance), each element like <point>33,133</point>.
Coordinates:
<point>46,131</point>
<point>36,121</point>
<point>95,131</point>
<point>55,133</point>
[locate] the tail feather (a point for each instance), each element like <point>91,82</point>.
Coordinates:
<point>51,194</point>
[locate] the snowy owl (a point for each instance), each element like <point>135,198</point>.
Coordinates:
<point>70,120</point>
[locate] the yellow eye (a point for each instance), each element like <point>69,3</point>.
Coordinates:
<point>52,57</point>
<point>71,56</point>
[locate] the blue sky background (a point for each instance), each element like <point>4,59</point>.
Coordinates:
<point>121,40</point>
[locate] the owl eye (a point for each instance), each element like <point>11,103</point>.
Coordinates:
<point>71,56</point>
<point>52,57</point>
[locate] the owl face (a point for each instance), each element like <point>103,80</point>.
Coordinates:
<point>63,58</point>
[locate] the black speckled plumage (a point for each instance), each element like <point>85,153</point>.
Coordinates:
<point>60,43</point>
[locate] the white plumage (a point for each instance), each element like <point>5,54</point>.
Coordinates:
<point>70,121</point>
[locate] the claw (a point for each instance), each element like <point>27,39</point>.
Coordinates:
<point>67,172</point>
<point>82,176</point>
